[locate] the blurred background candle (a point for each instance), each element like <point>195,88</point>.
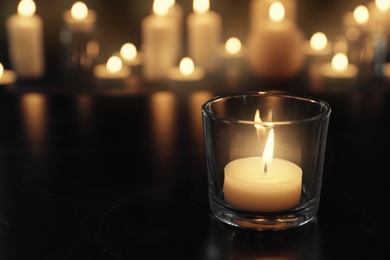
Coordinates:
<point>380,16</point>
<point>259,10</point>
<point>7,77</point>
<point>25,41</point>
<point>160,35</point>
<point>112,70</point>
<point>232,49</point>
<point>339,68</point>
<point>186,71</point>
<point>275,46</point>
<point>129,54</point>
<point>80,18</point>
<point>78,38</point>
<point>204,35</point>
<point>317,46</point>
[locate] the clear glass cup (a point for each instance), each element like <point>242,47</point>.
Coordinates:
<point>265,155</point>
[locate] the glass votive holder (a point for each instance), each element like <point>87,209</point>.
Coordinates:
<point>265,154</point>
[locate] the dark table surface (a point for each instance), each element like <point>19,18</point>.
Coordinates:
<point>92,171</point>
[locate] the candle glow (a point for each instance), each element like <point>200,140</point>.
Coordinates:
<point>276,12</point>
<point>128,51</point>
<point>233,45</point>
<point>340,62</point>
<point>79,11</point>
<point>201,6</point>
<point>318,41</point>
<point>26,8</point>
<point>160,7</point>
<point>114,65</point>
<point>382,5</point>
<point>361,14</point>
<point>186,66</point>
<point>1,70</point>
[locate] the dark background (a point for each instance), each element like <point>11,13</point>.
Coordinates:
<point>119,21</point>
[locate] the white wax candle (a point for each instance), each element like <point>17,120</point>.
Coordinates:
<point>160,36</point>
<point>79,18</point>
<point>275,46</point>
<point>112,70</point>
<point>186,71</point>
<point>204,35</point>
<point>7,77</point>
<point>317,46</point>
<point>25,41</point>
<point>232,49</point>
<point>339,68</point>
<point>130,55</point>
<point>248,187</point>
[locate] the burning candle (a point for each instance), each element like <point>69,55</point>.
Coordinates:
<point>380,10</point>
<point>186,71</point>
<point>79,18</point>
<point>160,35</point>
<point>232,48</point>
<point>318,45</point>
<point>112,70</point>
<point>130,55</point>
<point>339,68</point>
<point>259,10</point>
<point>7,77</point>
<point>263,184</point>
<point>25,40</point>
<point>204,34</point>
<point>275,46</point>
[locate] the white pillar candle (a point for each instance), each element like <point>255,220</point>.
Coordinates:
<point>380,14</point>
<point>263,184</point>
<point>275,46</point>
<point>25,41</point>
<point>160,34</point>
<point>204,35</point>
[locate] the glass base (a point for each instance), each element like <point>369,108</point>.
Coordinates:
<point>265,222</point>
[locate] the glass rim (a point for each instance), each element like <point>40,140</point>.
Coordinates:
<point>323,114</point>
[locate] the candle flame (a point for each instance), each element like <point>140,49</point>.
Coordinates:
<point>171,3</point>
<point>79,11</point>
<point>160,7</point>
<point>268,151</point>
<point>340,62</point>
<point>26,8</point>
<point>1,70</point>
<point>233,45</point>
<point>128,51</point>
<point>259,127</point>
<point>186,66</point>
<point>114,64</point>
<point>201,6</point>
<point>361,14</point>
<point>276,11</point>
<point>318,41</point>
<point>383,5</point>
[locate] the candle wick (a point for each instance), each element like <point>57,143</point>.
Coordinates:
<point>265,168</point>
